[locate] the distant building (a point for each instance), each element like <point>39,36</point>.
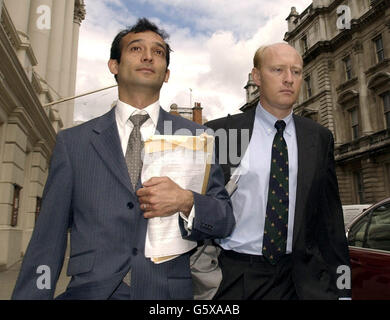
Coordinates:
<point>193,114</point>
<point>346,88</point>
<point>38,54</point>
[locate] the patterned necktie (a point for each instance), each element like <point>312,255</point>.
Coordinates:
<point>276,219</point>
<point>134,147</point>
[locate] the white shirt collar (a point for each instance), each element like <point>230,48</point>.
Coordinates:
<point>268,120</point>
<point>124,111</point>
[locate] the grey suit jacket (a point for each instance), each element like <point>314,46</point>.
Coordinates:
<point>88,191</point>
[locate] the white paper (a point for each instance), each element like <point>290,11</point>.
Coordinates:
<point>187,168</point>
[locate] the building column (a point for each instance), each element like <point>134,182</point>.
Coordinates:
<point>364,108</point>
<point>79,16</point>
<point>53,72</point>
<point>11,173</point>
<point>63,108</point>
<point>39,38</point>
<point>370,180</point>
<point>19,12</point>
<point>37,177</point>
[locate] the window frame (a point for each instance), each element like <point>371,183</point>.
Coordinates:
<point>379,53</point>
<point>308,87</point>
<point>15,205</point>
<point>354,126</point>
<point>385,97</point>
<point>348,67</point>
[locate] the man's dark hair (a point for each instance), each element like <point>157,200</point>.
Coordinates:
<point>142,25</point>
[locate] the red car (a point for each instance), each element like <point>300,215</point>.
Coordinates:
<point>369,248</point>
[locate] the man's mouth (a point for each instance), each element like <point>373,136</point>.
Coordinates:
<point>147,70</point>
<point>287,91</point>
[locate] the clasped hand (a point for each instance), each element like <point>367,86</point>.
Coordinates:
<point>161,197</point>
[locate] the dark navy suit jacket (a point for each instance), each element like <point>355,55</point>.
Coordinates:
<point>88,191</point>
<point>319,242</point>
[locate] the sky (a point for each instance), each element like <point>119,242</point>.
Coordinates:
<point>213,44</point>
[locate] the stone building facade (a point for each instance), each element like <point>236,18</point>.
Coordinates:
<point>38,54</point>
<point>345,46</point>
<point>346,51</point>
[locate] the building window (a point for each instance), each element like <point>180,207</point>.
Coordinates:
<point>304,45</point>
<point>348,67</point>
<point>359,187</point>
<point>38,208</point>
<point>308,87</point>
<point>354,122</point>
<point>380,54</point>
<point>15,205</point>
<point>386,107</point>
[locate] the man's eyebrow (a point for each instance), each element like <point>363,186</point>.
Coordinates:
<point>141,40</point>
<point>296,66</point>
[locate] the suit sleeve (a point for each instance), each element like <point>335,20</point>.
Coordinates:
<point>332,234</point>
<point>44,256</point>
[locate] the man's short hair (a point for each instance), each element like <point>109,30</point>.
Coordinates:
<point>258,58</point>
<point>259,54</point>
<point>142,25</point>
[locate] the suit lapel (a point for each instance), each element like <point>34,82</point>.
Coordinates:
<point>307,153</point>
<point>164,126</point>
<point>107,144</point>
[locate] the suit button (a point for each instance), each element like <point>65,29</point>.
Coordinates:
<point>130,205</point>
<point>135,251</point>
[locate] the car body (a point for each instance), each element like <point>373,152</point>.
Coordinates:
<point>369,248</point>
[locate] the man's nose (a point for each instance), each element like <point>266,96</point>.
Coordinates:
<point>288,77</point>
<point>147,56</point>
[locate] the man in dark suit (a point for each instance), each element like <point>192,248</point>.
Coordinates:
<point>289,240</point>
<point>94,189</point>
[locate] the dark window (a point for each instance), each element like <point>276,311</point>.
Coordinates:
<point>354,123</point>
<point>348,67</point>
<point>380,54</point>
<point>359,187</point>
<point>15,206</point>
<point>309,91</point>
<point>304,44</point>
<point>357,233</point>
<point>372,230</point>
<point>38,207</point>
<point>386,107</point>
<point>378,231</point>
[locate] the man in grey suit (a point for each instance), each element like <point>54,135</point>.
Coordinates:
<point>94,189</point>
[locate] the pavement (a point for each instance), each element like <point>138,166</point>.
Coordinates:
<point>9,276</point>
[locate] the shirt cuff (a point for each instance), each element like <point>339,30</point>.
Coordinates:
<point>189,219</point>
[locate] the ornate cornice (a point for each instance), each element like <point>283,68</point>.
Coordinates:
<point>357,47</point>
<point>379,66</point>
<point>20,96</point>
<point>347,84</point>
<point>378,10</point>
<point>79,11</point>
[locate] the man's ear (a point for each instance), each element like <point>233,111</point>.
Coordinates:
<point>256,76</point>
<point>113,66</point>
<point>167,75</point>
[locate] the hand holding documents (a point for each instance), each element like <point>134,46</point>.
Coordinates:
<point>186,160</point>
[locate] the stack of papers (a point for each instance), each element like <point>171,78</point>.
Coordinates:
<point>186,160</point>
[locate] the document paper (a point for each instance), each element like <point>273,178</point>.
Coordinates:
<point>186,160</point>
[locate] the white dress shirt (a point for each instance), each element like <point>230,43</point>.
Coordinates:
<point>250,199</point>
<point>123,112</point>
<point>125,126</point>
